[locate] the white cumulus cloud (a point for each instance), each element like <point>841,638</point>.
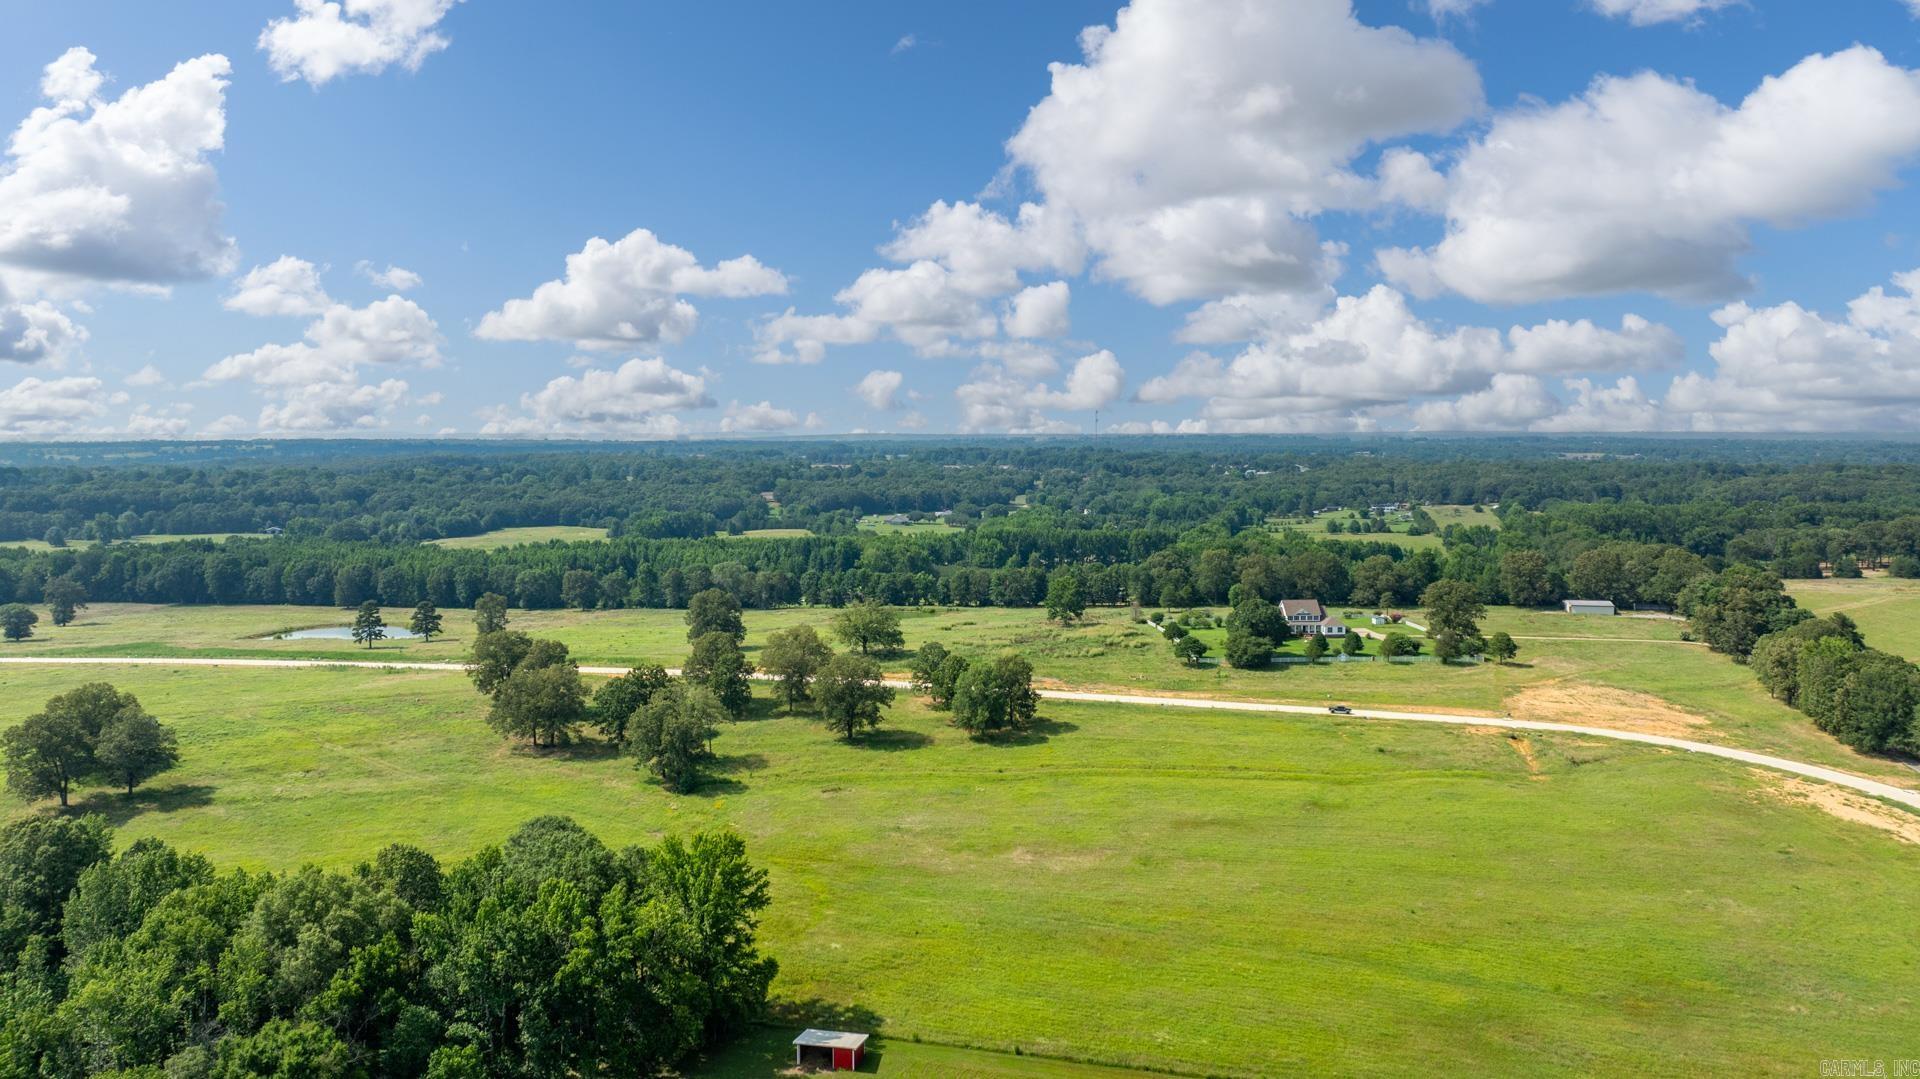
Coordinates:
<point>1648,184</point>
<point>285,286</point>
<point>325,39</point>
<point>643,398</point>
<point>39,408</point>
<point>762,418</point>
<point>393,278</point>
<point>1197,137</point>
<point>627,292</point>
<point>118,191</point>
<point>996,399</point>
<point>880,389</point>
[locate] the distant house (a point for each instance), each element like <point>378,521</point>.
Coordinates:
<point>273,530</point>
<point>1590,606</point>
<point>1309,619</point>
<point>899,519</point>
<point>831,1049</point>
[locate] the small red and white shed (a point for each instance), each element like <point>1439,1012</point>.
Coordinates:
<point>833,1049</point>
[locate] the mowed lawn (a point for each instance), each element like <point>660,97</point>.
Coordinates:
<point>514,537</point>
<point>1205,893</point>
<point>1560,654</point>
<point>1887,608</point>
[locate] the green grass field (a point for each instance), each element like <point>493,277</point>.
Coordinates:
<point>1205,893</point>
<point>515,537</point>
<point>81,544</point>
<point>1462,515</point>
<point>1109,651</point>
<point>1887,608</point>
<point>1317,528</point>
<point>770,533</point>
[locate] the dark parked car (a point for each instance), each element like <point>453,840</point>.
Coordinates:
<point>1341,710</point>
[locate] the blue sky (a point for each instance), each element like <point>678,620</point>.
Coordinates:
<point>1241,215</point>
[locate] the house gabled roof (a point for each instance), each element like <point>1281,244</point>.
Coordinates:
<point>1291,607</point>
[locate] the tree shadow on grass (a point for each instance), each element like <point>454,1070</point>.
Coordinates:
<point>892,740</point>
<point>120,807</point>
<point>1042,731</point>
<point>585,749</point>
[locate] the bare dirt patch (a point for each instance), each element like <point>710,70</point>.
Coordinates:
<point>1600,706</point>
<point>1846,805</point>
<point>1525,748</point>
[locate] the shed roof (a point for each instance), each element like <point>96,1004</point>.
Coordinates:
<point>830,1039</point>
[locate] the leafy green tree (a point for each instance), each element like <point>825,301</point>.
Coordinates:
<point>1260,618</point>
<point>1396,645</point>
<point>1448,646</point>
<point>1066,599</point>
<point>1453,607</point>
<point>671,734</point>
<point>1352,644</point>
<point>996,696</point>
<point>926,665</point>
<point>64,597</point>
<point>579,589</point>
<point>489,614</point>
<point>1191,650</point>
<point>1173,631</point>
<point>1248,652</point>
<point>134,748</point>
<point>709,877</point>
<point>715,611</point>
<point>617,699</point>
<point>1874,709</point>
<point>851,694</point>
<point>1316,648</point>
<point>46,754</point>
<point>1731,611</point>
<point>1527,578</point>
<point>111,898</point>
<point>41,859</point>
<point>17,621</point>
<point>718,664</point>
<point>1501,647</point>
<point>425,623</point>
<point>543,704</point>
<point>368,627</point>
<point>870,627</point>
<point>409,873</point>
<point>794,656</point>
<point>494,657</point>
<point>940,685</point>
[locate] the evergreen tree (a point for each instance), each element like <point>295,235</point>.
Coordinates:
<point>425,623</point>
<point>368,627</point>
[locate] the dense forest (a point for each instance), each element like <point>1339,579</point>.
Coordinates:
<point>550,954</point>
<point>1158,522</point>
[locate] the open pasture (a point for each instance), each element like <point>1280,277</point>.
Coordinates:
<point>1207,893</point>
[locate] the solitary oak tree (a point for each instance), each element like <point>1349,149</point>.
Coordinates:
<point>489,614</point>
<point>870,627</point>
<point>851,694</point>
<point>794,656</point>
<point>715,611</point>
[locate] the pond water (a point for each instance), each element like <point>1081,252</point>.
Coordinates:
<point>337,633</point>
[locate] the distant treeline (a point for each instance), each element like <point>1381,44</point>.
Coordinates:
<point>1687,496</point>
<point>1154,526</point>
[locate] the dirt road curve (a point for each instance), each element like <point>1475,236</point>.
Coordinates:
<point>1778,764</point>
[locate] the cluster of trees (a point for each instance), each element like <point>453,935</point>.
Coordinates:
<point>1864,697</point>
<point>550,954</point>
<point>989,698</point>
<point>95,733</point>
